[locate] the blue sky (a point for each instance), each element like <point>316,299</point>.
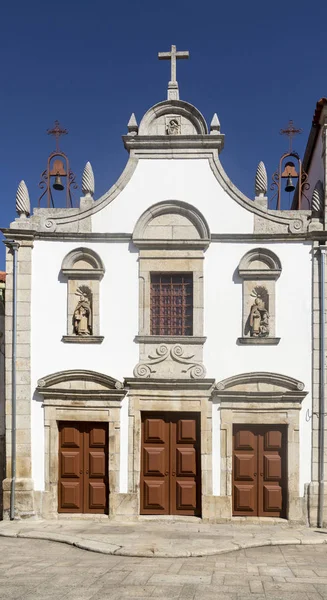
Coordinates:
<point>91,64</point>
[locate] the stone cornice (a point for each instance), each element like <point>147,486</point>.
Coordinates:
<point>178,142</point>
<point>166,384</point>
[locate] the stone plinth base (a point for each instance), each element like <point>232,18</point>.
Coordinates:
<point>313,503</point>
<point>24,498</point>
<point>123,506</point>
<point>216,508</point>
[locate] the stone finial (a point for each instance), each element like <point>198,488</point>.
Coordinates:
<point>88,180</point>
<point>132,125</point>
<point>261,180</point>
<point>317,200</point>
<point>23,204</point>
<point>214,125</point>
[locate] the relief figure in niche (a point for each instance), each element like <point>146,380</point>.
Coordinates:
<point>82,318</point>
<point>173,127</point>
<point>259,315</point>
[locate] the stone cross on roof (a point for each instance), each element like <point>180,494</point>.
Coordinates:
<point>173,55</point>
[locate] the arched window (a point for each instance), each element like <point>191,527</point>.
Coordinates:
<point>84,270</point>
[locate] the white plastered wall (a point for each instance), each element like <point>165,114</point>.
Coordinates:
<point>188,180</point>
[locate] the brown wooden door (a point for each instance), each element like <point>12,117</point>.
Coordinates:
<point>83,467</point>
<point>259,471</point>
<point>170,464</point>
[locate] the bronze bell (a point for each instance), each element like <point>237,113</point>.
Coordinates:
<point>58,184</point>
<point>290,187</point>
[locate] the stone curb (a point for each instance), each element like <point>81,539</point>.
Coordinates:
<point>111,549</point>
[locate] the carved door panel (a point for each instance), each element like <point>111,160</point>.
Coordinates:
<point>170,464</point>
<point>70,490</point>
<point>96,468</point>
<point>83,470</point>
<point>155,466</point>
<point>185,483</point>
<point>272,454</point>
<point>259,471</point>
<point>245,464</point>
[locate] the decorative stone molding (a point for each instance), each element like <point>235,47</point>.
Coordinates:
<point>261,381</point>
<point>258,341</point>
<point>83,263</point>
<point>259,269</point>
<point>193,120</point>
<point>189,227</point>
<point>261,180</point>
<point>260,263</point>
<point>80,383</point>
<point>89,339</point>
<point>84,270</point>
<point>169,339</point>
<point>177,354</point>
<point>23,204</point>
<point>88,180</point>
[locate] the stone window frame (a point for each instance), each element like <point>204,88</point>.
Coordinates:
<point>171,256</point>
<point>90,277</point>
<point>253,276</point>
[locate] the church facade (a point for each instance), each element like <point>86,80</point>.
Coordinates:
<point>169,338</point>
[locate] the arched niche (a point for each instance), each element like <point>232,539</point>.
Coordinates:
<point>259,270</point>
<point>188,119</point>
<point>84,270</point>
<point>172,222</point>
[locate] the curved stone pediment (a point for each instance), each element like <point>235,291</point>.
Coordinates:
<point>79,382</point>
<point>260,382</point>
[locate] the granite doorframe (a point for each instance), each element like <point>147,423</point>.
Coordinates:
<point>177,396</point>
<point>270,405</point>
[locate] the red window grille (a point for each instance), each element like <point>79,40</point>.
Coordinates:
<point>171,304</point>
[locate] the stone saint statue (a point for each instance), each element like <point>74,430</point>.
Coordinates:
<point>83,315</point>
<point>259,317</point>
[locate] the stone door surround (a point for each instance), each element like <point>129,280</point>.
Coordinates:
<point>260,398</point>
<point>78,396</point>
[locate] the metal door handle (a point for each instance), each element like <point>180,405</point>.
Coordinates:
<point>261,474</point>
<point>166,473</point>
<point>81,472</point>
<point>87,472</point>
<point>254,474</point>
<point>173,473</point>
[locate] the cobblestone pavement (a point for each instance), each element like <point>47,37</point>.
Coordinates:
<point>37,569</point>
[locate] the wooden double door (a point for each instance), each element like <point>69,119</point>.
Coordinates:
<point>83,467</point>
<point>259,471</point>
<point>170,464</point>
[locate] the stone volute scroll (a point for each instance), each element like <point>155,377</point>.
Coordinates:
<point>84,270</point>
<point>259,270</point>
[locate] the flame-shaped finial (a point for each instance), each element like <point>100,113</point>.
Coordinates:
<point>261,180</point>
<point>88,180</point>
<point>215,125</point>
<point>23,204</point>
<point>132,125</point>
<point>317,201</point>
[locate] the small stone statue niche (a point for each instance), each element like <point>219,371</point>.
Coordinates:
<point>259,269</point>
<point>82,319</point>
<point>84,270</point>
<point>258,320</point>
